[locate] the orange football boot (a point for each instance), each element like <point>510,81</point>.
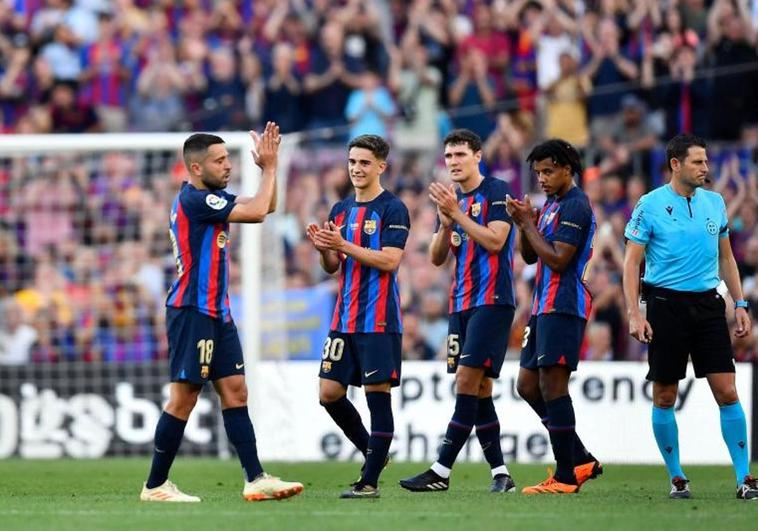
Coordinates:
<point>587,471</point>
<point>551,486</point>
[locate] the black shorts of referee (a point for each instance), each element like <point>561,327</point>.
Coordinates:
<point>686,324</point>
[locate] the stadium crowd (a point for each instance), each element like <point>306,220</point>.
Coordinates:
<point>84,257</point>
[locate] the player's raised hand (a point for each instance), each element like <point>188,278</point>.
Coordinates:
<point>266,150</point>
<point>445,199</point>
<point>640,329</point>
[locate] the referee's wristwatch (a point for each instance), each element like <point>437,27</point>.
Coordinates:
<point>741,304</point>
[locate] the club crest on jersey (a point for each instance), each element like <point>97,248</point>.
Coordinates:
<point>215,202</point>
<point>369,226</point>
<point>476,208</point>
<point>326,366</point>
<point>222,239</point>
<point>711,227</point>
<point>455,239</point>
<point>204,371</point>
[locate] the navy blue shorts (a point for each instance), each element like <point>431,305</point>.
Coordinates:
<point>552,339</point>
<point>478,338</point>
<point>358,359</point>
<point>202,348</point>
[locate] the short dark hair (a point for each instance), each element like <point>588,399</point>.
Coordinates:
<point>457,137</point>
<point>374,143</point>
<point>559,151</point>
<point>199,144</point>
<point>678,147</point>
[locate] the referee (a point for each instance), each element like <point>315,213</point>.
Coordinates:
<point>681,231</point>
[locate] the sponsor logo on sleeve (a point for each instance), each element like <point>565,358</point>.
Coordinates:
<point>215,202</point>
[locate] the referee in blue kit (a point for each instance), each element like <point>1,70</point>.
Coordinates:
<point>681,231</point>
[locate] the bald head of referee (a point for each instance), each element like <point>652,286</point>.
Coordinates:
<point>681,230</point>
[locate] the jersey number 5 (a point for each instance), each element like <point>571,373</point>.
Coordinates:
<point>453,345</point>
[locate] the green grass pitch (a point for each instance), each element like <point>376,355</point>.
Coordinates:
<point>103,494</point>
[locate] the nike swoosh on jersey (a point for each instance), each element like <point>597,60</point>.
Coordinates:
<point>465,356</point>
<point>367,374</point>
<point>540,357</point>
<point>238,366</point>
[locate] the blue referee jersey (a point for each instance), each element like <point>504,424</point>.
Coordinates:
<point>681,238</point>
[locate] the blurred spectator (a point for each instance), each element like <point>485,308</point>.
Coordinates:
<point>609,69</point>
<point>472,95</point>
<point>158,104</point>
<point>369,107</point>
<point>414,345</point>
<point>16,336</point>
<point>626,149</point>
<point>332,75</point>
<point>599,347</point>
<point>417,85</point>
<point>69,116</point>
<point>732,42</point>
<point>566,103</point>
<point>283,92</point>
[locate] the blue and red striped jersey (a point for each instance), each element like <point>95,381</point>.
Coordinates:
<point>199,236</point>
<point>567,219</point>
<point>480,277</point>
<point>368,299</point>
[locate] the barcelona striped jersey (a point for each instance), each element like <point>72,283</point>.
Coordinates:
<point>368,299</point>
<point>479,277</point>
<point>568,219</point>
<point>199,236</point>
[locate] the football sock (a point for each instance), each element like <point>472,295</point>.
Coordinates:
<point>581,454</point>
<point>734,431</point>
<point>239,431</point>
<point>488,433</point>
<point>168,437</point>
<point>348,419</point>
<point>459,429</point>
<point>561,424</point>
<point>382,430</point>
<point>667,436</point>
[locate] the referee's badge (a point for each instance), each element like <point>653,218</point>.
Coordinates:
<point>711,227</point>
<point>476,208</point>
<point>369,226</point>
<point>455,239</point>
